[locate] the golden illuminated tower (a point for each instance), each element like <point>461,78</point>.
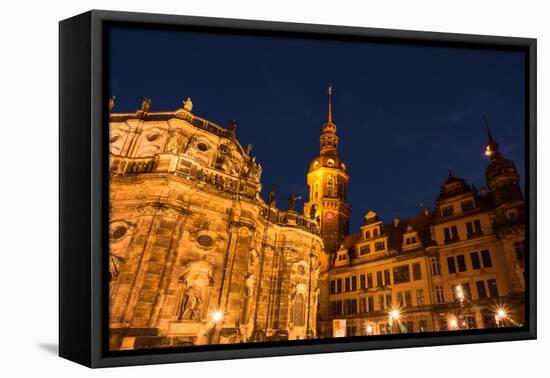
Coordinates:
<point>327,180</point>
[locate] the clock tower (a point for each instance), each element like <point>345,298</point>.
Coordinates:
<point>327,180</point>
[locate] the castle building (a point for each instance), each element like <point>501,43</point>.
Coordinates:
<point>196,255</point>
<point>458,267</point>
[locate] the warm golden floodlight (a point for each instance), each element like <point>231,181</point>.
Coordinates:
<point>394,314</point>
<point>217,316</point>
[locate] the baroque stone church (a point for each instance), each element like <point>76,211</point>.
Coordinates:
<point>196,255</point>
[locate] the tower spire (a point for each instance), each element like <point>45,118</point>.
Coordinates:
<point>330,103</point>
<point>486,121</point>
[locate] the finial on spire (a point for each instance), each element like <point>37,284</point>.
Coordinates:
<point>486,121</point>
<point>330,103</point>
<point>450,172</point>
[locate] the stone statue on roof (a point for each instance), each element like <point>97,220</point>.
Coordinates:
<point>188,104</point>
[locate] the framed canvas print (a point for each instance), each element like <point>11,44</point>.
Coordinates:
<point>234,188</point>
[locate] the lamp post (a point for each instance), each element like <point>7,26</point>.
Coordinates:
<point>500,316</point>
<point>461,323</point>
<point>394,318</point>
<point>217,318</point>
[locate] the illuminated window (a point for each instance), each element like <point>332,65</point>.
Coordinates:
<point>435,266</point>
<point>419,297</point>
<point>439,295</point>
<point>401,274</point>
<point>417,272</point>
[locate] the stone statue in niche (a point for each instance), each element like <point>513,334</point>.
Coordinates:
<point>115,264</point>
<point>174,143</point>
<point>191,146</point>
<point>191,303</point>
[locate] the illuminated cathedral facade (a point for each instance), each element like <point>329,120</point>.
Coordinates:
<point>198,257</point>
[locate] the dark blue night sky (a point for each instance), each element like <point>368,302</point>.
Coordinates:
<point>405,114</point>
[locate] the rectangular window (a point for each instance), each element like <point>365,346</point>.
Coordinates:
<point>417,272</point>
<point>408,298</point>
<point>473,229</point>
<point>486,258</point>
<point>447,211</point>
<point>389,301</point>
<point>451,234</point>
<point>362,284</point>
<point>439,295</point>
<point>348,284</point>
<point>419,297</point>
<point>369,280</point>
<point>467,206</point>
<point>381,302</point>
<point>375,232</point>
<point>493,289</point>
<point>379,282</point>
<point>333,287</point>
<point>363,304</point>
<point>336,308</point>
<point>475,260</point>
<point>353,306</point>
<point>401,274</point>
<point>387,280</point>
<point>379,246</point>
<point>370,304</point>
<point>451,265</point>
<point>400,299</point>
<point>365,249</point>
<point>409,326</point>
<point>339,285</point>
<point>353,283</point>
<point>461,262</point>
<point>435,266</point>
<point>481,292</point>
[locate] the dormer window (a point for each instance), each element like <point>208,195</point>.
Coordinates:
<point>379,246</point>
<point>330,162</point>
<point>447,211</point>
<point>410,240</point>
<point>367,234</point>
<point>467,206</point>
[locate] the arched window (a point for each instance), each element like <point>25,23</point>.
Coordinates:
<point>316,191</point>
<point>330,187</point>
<point>299,310</point>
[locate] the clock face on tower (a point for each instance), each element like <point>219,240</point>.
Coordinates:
<point>329,217</point>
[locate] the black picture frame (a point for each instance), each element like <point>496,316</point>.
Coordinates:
<point>83,182</point>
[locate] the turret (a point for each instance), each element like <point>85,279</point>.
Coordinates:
<point>327,180</point>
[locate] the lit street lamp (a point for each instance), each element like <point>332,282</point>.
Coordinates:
<point>217,318</point>
<point>394,318</point>
<point>500,316</point>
